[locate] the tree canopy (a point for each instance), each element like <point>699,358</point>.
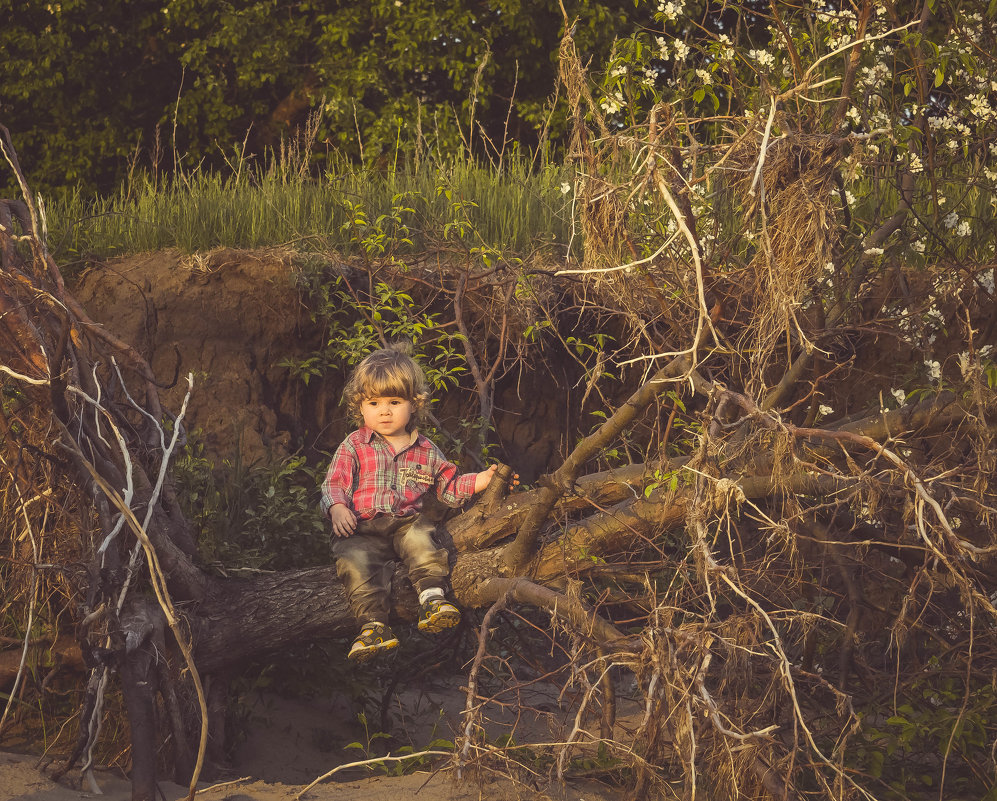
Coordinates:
<point>92,89</point>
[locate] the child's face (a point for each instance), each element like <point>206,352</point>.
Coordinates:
<point>388,416</point>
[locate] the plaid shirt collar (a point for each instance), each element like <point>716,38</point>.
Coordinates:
<point>369,435</point>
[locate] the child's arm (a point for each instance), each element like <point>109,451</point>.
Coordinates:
<point>453,488</point>
<point>337,491</point>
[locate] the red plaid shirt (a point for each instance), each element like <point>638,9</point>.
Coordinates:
<point>371,479</point>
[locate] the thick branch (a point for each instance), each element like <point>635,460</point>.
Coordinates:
<point>630,525</point>
<point>480,527</point>
<point>571,609</point>
<point>523,548</point>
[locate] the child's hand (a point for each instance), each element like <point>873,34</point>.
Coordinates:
<point>482,479</point>
<point>344,522</point>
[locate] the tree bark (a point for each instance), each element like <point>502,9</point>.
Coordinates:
<point>242,619</point>
<point>138,686</point>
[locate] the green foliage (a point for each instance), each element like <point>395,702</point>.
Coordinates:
<point>252,516</point>
<point>81,84</point>
<point>668,479</point>
<point>370,737</point>
<point>192,78</point>
<point>903,747</point>
<point>385,235</point>
<point>395,767</point>
<point>356,324</point>
<point>353,210</point>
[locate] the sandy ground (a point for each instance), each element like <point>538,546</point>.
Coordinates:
<point>20,780</point>
<point>289,743</point>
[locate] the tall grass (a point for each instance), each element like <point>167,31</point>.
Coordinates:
<point>516,208</point>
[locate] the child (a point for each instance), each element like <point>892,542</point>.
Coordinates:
<point>373,494</point>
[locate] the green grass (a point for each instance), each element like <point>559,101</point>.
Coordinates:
<point>517,209</point>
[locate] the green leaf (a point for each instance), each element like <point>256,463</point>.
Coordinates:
<point>876,760</point>
<point>441,743</point>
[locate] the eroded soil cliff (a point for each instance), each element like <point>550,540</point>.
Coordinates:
<point>232,317</point>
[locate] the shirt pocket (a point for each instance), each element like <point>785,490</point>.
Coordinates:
<point>415,475</point>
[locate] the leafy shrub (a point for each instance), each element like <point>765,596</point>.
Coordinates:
<point>252,516</point>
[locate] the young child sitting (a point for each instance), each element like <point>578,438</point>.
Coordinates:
<point>373,494</point>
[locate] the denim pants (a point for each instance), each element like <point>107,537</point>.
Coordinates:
<point>365,562</point>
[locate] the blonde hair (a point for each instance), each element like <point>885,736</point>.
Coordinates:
<point>387,373</point>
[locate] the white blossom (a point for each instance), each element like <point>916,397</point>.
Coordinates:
<point>681,50</point>
<point>763,57</point>
<point>934,369</point>
<point>979,105</point>
<point>986,280</point>
<point>915,163</point>
<point>610,105</point>
<point>899,395</point>
<point>565,188</point>
<point>705,77</point>
<point>824,410</point>
<point>725,52</point>
<point>950,220</point>
<point>963,229</point>
<point>670,11</point>
<point>873,251</point>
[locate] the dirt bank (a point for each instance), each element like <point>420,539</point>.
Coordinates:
<point>231,317</point>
